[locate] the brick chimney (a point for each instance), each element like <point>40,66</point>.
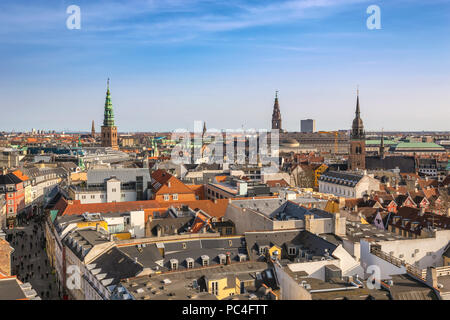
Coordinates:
<point>228,258</point>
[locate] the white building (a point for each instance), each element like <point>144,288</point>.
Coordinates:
<point>347,185</point>
<point>113,185</point>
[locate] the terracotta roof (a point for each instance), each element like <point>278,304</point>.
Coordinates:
<point>427,183</point>
<point>19,174</point>
<point>277,183</point>
<point>161,180</point>
<point>76,208</point>
<point>425,220</point>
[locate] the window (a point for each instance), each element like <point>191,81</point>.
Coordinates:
<point>230,243</point>
<point>102,196</point>
<point>166,197</point>
<point>113,190</point>
<point>123,195</point>
<point>229,231</point>
<point>190,264</point>
<point>93,196</point>
<point>83,197</point>
<point>292,250</point>
<point>215,287</point>
<point>175,196</point>
<point>184,245</point>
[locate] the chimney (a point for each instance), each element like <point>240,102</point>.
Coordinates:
<point>422,211</point>
<point>431,278</point>
<point>308,218</point>
<point>228,259</point>
<point>337,223</point>
<point>168,184</point>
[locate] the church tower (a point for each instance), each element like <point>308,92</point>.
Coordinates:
<point>381,152</point>
<point>109,130</point>
<point>276,115</point>
<point>357,158</point>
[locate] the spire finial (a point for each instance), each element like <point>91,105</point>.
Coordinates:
<point>357,89</point>
<point>108,83</point>
<point>276,94</point>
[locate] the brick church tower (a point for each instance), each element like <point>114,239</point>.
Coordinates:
<point>357,158</point>
<point>109,130</point>
<point>276,115</point>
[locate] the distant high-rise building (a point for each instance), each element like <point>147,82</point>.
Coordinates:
<point>308,125</point>
<point>276,115</point>
<point>357,158</point>
<point>109,130</point>
<point>93,129</point>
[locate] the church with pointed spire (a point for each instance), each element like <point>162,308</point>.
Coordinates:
<point>276,115</point>
<point>357,158</point>
<point>109,130</point>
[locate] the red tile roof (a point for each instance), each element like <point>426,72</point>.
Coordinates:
<point>277,183</point>
<point>74,207</point>
<point>164,183</point>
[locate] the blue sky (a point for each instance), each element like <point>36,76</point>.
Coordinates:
<point>175,61</point>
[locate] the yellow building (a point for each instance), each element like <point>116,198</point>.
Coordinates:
<point>223,286</point>
<point>273,249</point>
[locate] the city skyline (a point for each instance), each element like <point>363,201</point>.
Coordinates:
<point>174,62</point>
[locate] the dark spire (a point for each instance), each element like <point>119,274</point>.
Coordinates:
<point>276,115</point>
<point>204,129</point>
<point>382,144</point>
<point>357,127</point>
<point>357,104</point>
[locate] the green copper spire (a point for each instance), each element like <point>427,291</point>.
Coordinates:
<point>109,113</point>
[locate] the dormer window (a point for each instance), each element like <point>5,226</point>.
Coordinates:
<point>292,251</point>
<point>263,249</point>
<point>222,258</point>
<point>173,264</point>
<point>189,263</point>
<point>205,260</point>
